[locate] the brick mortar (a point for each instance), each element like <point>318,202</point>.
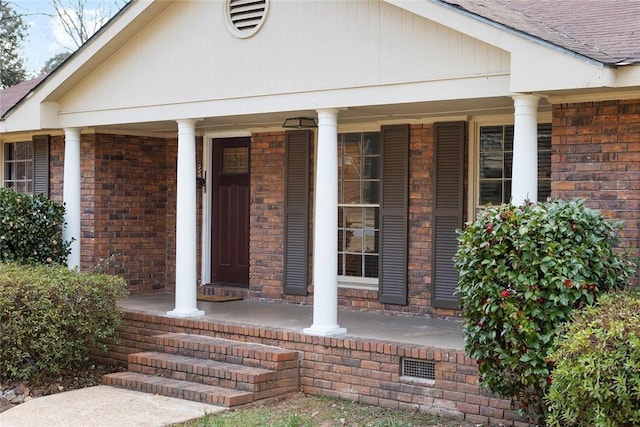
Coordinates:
<point>359,369</point>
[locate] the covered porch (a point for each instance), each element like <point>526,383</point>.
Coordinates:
<point>418,330</point>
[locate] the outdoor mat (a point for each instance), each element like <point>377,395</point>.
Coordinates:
<point>218,298</point>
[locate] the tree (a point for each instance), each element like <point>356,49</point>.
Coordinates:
<point>80,21</point>
<point>53,62</point>
<point>12,33</point>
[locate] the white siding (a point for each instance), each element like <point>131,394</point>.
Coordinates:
<point>187,55</point>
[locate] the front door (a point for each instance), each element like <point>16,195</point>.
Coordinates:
<point>230,213</point>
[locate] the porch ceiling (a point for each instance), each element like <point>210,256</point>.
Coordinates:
<point>352,116</point>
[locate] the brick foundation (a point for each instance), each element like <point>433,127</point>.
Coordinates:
<point>358,369</point>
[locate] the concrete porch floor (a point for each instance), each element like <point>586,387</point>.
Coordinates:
<point>438,333</point>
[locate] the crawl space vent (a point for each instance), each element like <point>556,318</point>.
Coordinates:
<point>245,17</point>
<point>418,369</point>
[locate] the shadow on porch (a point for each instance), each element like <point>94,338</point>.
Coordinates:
<point>423,331</point>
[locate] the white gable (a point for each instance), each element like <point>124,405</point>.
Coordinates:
<point>188,56</point>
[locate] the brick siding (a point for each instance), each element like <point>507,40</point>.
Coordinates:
<point>358,369</point>
<point>596,156</point>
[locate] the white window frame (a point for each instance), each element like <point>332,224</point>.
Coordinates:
<point>473,194</point>
<point>3,145</point>
<point>352,282</point>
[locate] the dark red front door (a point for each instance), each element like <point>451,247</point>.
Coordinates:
<point>230,221</point>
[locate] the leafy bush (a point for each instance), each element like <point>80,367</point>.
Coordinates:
<point>596,378</point>
<point>31,229</point>
<point>522,271</point>
<point>50,317</point>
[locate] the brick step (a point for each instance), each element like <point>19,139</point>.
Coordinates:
<point>211,372</point>
<point>177,388</point>
<point>240,353</point>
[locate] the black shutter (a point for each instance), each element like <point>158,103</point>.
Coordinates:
<point>41,164</point>
<point>296,222</point>
<point>393,214</point>
<point>448,210</point>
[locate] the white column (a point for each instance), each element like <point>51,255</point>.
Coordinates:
<point>186,232</point>
<point>325,229</point>
<point>71,194</point>
<point>524,184</point>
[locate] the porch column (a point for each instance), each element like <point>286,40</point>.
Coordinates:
<point>71,193</point>
<point>524,184</point>
<point>186,249</point>
<point>325,229</point>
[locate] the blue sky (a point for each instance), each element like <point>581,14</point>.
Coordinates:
<point>45,36</point>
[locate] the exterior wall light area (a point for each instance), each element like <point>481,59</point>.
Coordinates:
<point>300,123</point>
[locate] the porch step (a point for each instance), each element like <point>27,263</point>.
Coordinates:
<point>237,352</point>
<point>211,370</point>
<point>180,389</point>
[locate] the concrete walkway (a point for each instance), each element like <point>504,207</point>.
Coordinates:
<point>104,406</point>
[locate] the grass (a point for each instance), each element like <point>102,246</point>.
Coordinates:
<point>306,411</point>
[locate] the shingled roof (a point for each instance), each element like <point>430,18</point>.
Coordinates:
<point>605,31</point>
<point>11,95</point>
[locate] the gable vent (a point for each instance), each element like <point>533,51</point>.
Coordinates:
<point>245,17</point>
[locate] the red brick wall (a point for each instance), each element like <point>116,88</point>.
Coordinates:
<point>267,222</point>
<point>596,156</point>
<point>359,369</point>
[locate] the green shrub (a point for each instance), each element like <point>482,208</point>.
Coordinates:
<point>50,317</point>
<point>596,378</point>
<point>522,271</point>
<point>31,229</point>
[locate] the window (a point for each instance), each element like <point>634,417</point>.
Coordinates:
<point>18,166</point>
<point>358,206</point>
<point>496,161</point>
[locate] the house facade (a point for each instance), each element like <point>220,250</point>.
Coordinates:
<point>323,152</point>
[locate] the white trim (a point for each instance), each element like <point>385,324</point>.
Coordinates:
<point>207,199</point>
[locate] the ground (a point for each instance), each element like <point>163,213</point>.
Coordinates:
<point>296,409</point>
<point>43,386</point>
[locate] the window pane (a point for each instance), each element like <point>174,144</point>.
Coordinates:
<point>544,189</point>
<point>371,168</point>
<point>371,266</point>
<point>370,192</point>
<point>340,217</point>
<point>351,192</point>
<point>340,241</point>
<point>508,164</point>
<point>544,136</point>
<point>508,138</point>
<point>371,143</point>
<point>353,217</point>
<point>340,264</point>
<point>491,165</point>
<point>353,240</point>
<point>491,138</point>
<point>490,192</point>
<point>353,265</point>
<point>507,190</point>
<point>371,218</point>
<point>371,242</point>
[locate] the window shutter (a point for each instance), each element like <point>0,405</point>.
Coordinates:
<point>393,214</point>
<point>41,164</point>
<point>448,209</point>
<point>296,221</point>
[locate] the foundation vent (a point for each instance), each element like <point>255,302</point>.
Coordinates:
<point>245,17</point>
<point>418,369</point>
